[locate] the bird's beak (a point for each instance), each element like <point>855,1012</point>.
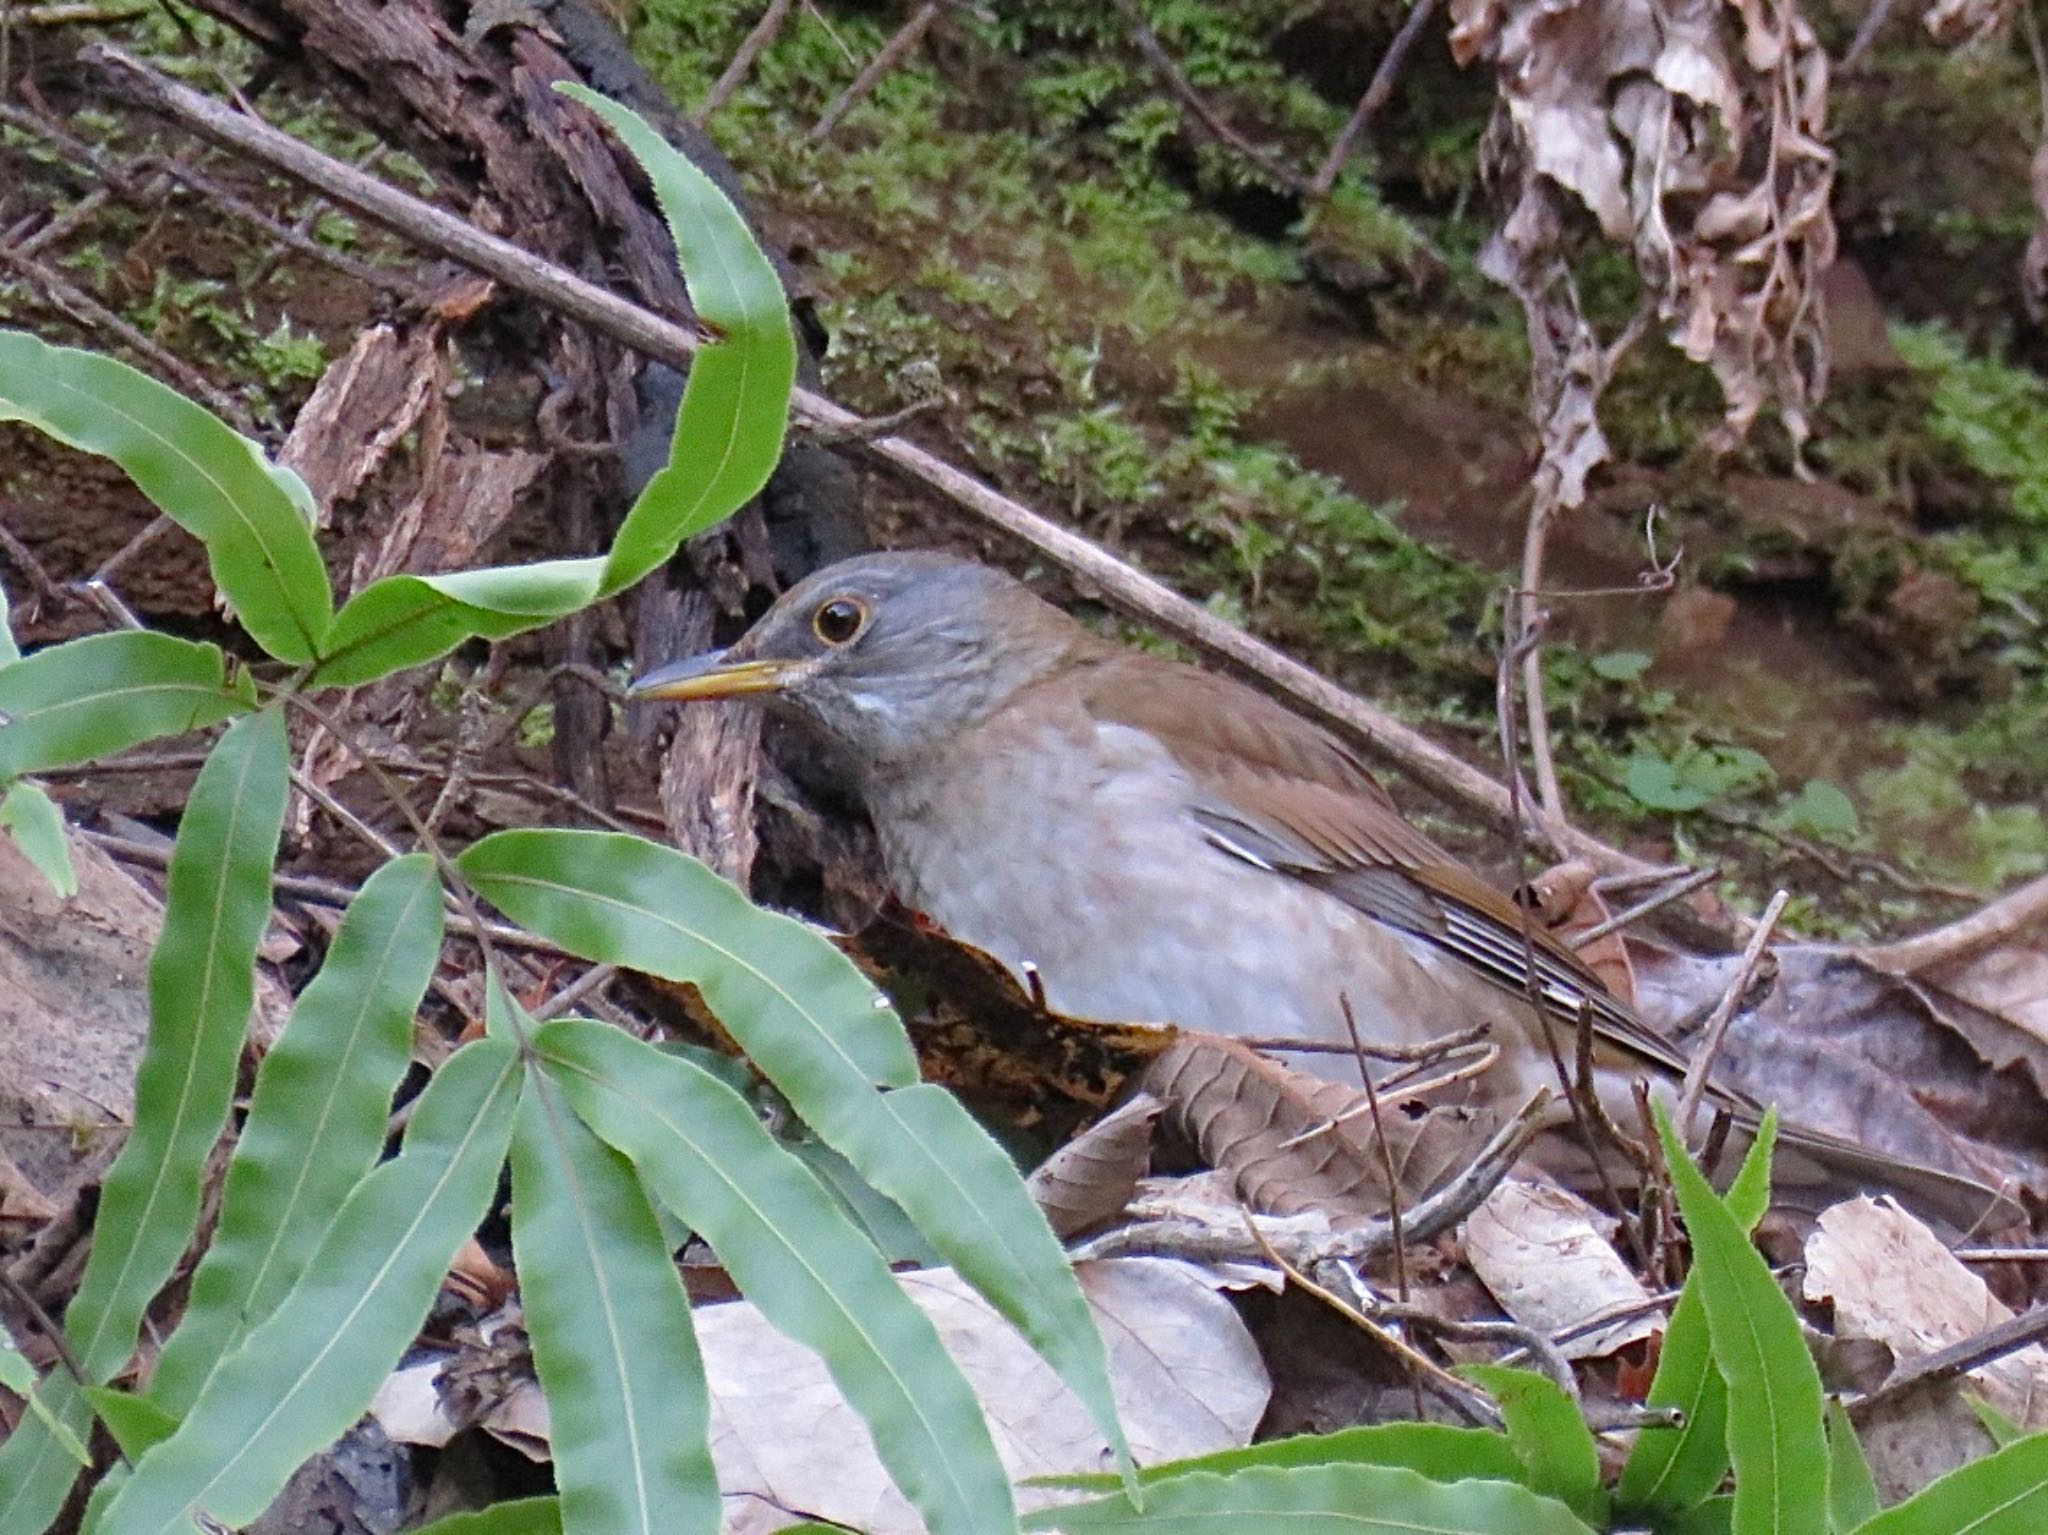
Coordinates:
<point>717,675</point>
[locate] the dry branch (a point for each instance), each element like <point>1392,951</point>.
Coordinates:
<point>1177,81</point>
<point>742,63</point>
<point>1440,771</point>
<point>892,53</point>
<point>1377,92</point>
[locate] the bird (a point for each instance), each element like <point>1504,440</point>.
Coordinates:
<point>1141,840</point>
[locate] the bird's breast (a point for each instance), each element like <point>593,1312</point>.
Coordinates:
<point>1070,850</point>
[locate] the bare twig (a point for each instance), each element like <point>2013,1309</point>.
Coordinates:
<point>108,601</point>
<point>146,182</point>
<point>1308,1241</point>
<point>1379,1131</point>
<point>47,1325</point>
<point>1376,96</point>
<point>347,818</point>
<point>61,227</point>
<point>1867,30</point>
<point>1702,1064</point>
<point>148,534</point>
<point>1177,81</point>
<point>2014,912</point>
<point>873,427</point>
<point>892,53</point>
<point>332,893</point>
<point>583,988</point>
<point>1433,1050</point>
<point>1465,1399</point>
<point>74,15</point>
<point>742,62</point>
<point>1526,1341</point>
<point>23,558</point>
<point>90,312</point>
<point>1676,891</point>
<point>1971,1353</point>
<point>1440,771</point>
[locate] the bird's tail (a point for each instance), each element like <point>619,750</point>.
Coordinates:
<point>1812,1169</point>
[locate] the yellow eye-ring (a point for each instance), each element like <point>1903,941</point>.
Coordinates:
<point>837,622</point>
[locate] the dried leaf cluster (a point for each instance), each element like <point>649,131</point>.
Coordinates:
<point>1693,132</point>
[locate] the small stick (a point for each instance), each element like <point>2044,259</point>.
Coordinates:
<point>347,817</point>
<point>24,559</point>
<point>1724,1013</point>
<point>1971,1353</point>
<point>1469,1403</point>
<point>1155,52</point>
<point>870,429</point>
<point>1379,1130</point>
<point>1696,880</point>
<point>1375,97</point>
<point>1400,1054</point>
<point>90,312</point>
<point>892,53</point>
<point>742,63</point>
<point>74,15</point>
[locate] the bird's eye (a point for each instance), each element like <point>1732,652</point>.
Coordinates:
<point>838,621</point>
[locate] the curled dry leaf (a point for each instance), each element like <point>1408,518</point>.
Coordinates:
<point>1545,1255</point>
<point>1694,132</point>
<point>1294,1143</point>
<point>1565,899</point>
<point>1093,1176</point>
<point>1893,1281</point>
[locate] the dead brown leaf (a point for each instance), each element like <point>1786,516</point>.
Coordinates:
<point>1185,1371</point>
<point>1565,899</point>
<point>1882,1059</point>
<point>1545,1254</point>
<point>1893,1281</point>
<point>1693,131</point>
<point>1092,1177</point>
<point>74,1014</point>
<point>1295,1144</point>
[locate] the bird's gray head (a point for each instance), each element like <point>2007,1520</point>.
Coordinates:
<point>890,656</point>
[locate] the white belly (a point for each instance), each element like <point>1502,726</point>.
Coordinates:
<point>1101,883</point>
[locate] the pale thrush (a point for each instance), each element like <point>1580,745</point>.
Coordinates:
<point>1154,843</point>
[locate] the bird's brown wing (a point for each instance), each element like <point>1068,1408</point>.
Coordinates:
<point>1284,794</point>
<point>1281,793</point>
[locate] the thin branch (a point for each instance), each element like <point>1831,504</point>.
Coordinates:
<point>1177,81</point>
<point>892,53</point>
<point>1676,891</point>
<point>91,313</point>
<point>1873,22</point>
<point>742,63</point>
<point>1440,771</point>
<point>1379,1131</point>
<point>2014,912</point>
<point>1972,1353</point>
<point>1377,93</point>
<point>1702,1064</point>
<point>1469,1402</point>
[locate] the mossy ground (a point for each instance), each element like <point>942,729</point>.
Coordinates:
<point>1136,331</point>
<point>1313,420</point>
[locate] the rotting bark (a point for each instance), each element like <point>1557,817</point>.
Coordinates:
<point>478,109</point>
